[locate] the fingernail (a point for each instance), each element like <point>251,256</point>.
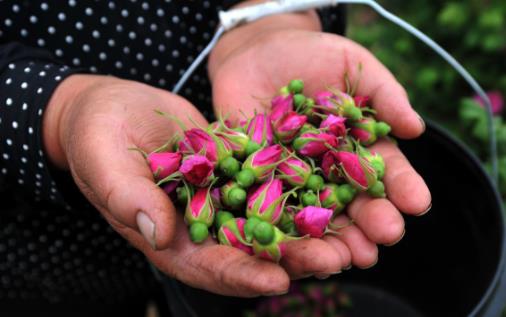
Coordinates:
<point>400,238</point>
<point>348,267</point>
<point>423,123</point>
<point>426,211</point>
<point>147,228</point>
<point>368,267</point>
<point>322,276</point>
<point>278,293</point>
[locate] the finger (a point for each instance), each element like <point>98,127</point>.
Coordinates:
<point>389,98</point>
<point>405,188</point>
<point>364,252</point>
<point>307,257</point>
<point>215,268</point>
<point>341,248</point>
<point>118,181</point>
<point>378,219</point>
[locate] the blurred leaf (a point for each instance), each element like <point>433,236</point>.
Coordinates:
<point>453,15</point>
<point>491,19</point>
<point>426,78</point>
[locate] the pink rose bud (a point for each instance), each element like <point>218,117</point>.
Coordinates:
<point>334,125</point>
<point>216,198</point>
<point>232,233</point>
<point>314,143</point>
<point>266,202</point>
<point>357,170</point>
<point>170,186</point>
<point>313,221</point>
<point>280,106</point>
<point>330,167</point>
<point>361,101</point>
<point>269,242</point>
<point>260,130</point>
<point>163,164</point>
<point>496,100</point>
<point>197,170</point>
<point>263,162</point>
<point>329,199</point>
<point>367,130</point>
<point>198,141</point>
<point>294,171</point>
<point>199,214</point>
<point>325,99</point>
<point>287,127</point>
<point>338,103</point>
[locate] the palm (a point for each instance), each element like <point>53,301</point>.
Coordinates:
<point>250,76</point>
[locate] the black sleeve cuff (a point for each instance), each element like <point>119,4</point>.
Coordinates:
<point>26,86</point>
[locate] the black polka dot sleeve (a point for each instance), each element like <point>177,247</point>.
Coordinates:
<point>28,77</point>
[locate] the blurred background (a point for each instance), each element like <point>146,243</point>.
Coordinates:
<point>474,32</point>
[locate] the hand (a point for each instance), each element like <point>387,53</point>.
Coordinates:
<point>248,66</point>
<point>90,123</point>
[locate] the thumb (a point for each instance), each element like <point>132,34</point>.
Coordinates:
<point>120,184</point>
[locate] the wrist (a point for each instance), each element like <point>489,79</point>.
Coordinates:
<point>236,38</point>
<point>57,108</point>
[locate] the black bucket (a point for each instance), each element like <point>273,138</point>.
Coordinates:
<point>450,262</point>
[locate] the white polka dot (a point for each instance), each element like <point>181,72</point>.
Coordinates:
<point>39,112</point>
<point>40,164</point>
<point>4,171</point>
<point>155,62</point>
<point>168,34</point>
<point>153,27</point>
<point>8,81</point>
<point>15,8</point>
<point>118,64</point>
<point>8,22</point>
<point>39,90</point>
<point>25,106</point>
<point>160,12</point>
<point>145,5</point>
<point>133,71</point>
<point>33,19</point>
<point>23,32</point>
<point>21,171</point>
<point>76,61</point>
<point>161,48</point>
<point>41,42</point>
<point>8,101</point>
<point>88,11</point>
<point>126,50</point>
<point>147,77</point>
<point>12,66</point>
<point>20,181</point>
<point>132,35</point>
<point>14,124</point>
<point>27,70</point>
<point>38,176</point>
<point>53,190</point>
<point>69,39</point>
<point>140,20</point>
<point>79,25</point>
<point>169,67</point>
<point>61,16</point>
<point>103,20</point>
<point>112,5</point>
<point>24,85</point>
<point>111,42</point>
<point>93,69</point>
<point>30,130</point>
<point>102,56</point>
<point>175,53</point>
<point>9,142</point>
<point>139,56</point>
<point>51,30</point>
<point>38,184</point>
<point>175,19</point>
<point>44,6</point>
<point>25,147</point>
<point>182,39</point>
<point>162,82</point>
<point>95,34</point>
<point>24,160</point>
<point>198,16</point>
<point>86,47</point>
<point>72,3</point>
<point>5,156</point>
<point>124,13</point>
<point>148,42</point>
<point>119,28</point>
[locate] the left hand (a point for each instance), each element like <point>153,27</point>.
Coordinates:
<point>245,76</point>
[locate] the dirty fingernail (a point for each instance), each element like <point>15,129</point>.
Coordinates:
<point>322,276</point>
<point>147,228</point>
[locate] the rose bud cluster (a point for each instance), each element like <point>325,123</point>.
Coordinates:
<point>277,176</point>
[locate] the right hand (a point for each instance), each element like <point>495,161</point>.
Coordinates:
<point>89,124</point>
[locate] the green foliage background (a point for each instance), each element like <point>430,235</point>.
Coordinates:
<point>473,31</point>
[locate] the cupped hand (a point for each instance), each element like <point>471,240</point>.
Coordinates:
<point>248,76</point>
<point>89,126</point>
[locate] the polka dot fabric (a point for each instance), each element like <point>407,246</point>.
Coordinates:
<point>52,253</point>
